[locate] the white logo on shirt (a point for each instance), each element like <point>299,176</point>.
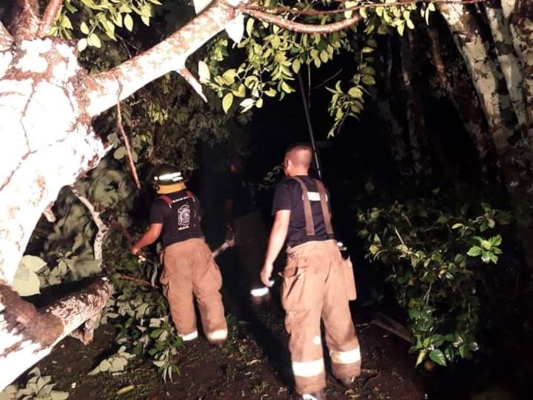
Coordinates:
<point>184,217</point>
<point>314,196</point>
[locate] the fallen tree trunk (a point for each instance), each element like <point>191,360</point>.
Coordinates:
<point>27,334</point>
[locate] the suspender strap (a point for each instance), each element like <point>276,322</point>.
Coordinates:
<point>309,224</point>
<point>169,201</point>
<point>324,205</point>
<point>166,199</point>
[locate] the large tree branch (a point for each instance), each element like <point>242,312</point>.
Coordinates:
<point>50,14</point>
<point>105,89</point>
<point>25,20</point>
<point>27,335</point>
<point>6,40</point>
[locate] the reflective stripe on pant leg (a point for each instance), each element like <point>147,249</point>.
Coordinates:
<point>188,337</point>
<point>345,357</point>
<point>220,334</point>
<point>308,369</point>
<point>259,292</point>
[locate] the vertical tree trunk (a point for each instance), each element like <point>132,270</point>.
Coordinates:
<point>462,95</point>
<point>485,74</point>
<point>519,14</point>
<point>416,126</point>
<point>384,96</point>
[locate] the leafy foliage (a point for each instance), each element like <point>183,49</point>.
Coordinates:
<point>273,57</point>
<point>37,388</point>
<point>435,253</point>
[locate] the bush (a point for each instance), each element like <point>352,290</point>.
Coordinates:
<point>434,254</point>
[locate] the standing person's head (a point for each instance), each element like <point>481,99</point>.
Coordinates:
<point>298,159</point>
<point>167,179</point>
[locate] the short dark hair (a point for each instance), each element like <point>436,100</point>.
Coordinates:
<point>299,146</point>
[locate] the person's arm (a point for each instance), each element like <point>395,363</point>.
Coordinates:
<point>278,234</point>
<point>149,237</point>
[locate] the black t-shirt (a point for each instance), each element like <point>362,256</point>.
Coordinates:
<point>288,196</point>
<point>186,228</point>
<point>243,194</point>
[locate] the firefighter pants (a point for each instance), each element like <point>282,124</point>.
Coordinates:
<point>251,240</point>
<point>315,287</point>
<point>191,272</point>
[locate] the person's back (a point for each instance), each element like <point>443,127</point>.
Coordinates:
<point>189,269</point>
<point>317,283</point>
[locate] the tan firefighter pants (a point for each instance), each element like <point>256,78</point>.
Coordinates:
<point>191,272</point>
<point>251,240</point>
<point>314,288</point>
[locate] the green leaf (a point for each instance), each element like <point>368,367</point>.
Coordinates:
<point>355,92</point>
<point>82,44</point>
<point>421,357</point>
<point>296,64</point>
<point>26,282</point>
<point>33,263</point>
<point>474,251</point>
<point>286,88</point>
<point>437,356</point>
<point>229,76</point>
<point>373,249</point>
<point>119,153</point>
<point>235,29</point>
<point>94,40</point>
<point>203,72</point>
<point>128,22</point>
<point>486,244</point>
<point>84,28</point>
<point>368,80</point>
<point>227,101</point>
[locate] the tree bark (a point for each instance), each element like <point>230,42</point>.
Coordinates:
<point>485,74</point>
<point>384,96</point>
<point>27,334</point>
<point>519,13</point>
<point>509,61</point>
<point>52,146</point>
<point>25,19</point>
<point>462,95</point>
<point>414,112</point>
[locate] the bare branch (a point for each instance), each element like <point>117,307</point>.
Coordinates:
<point>50,14</point>
<point>6,40</point>
<point>103,89</point>
<point>100,224</point>
<point>25,19</point>
<point>354,8</point>
<point>299,27</point>
<point>131,164</point>
<point>191,80</point>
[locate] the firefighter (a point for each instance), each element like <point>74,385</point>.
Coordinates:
<point>317,282</point>
<point>246,222</point>
<point>189,269</point>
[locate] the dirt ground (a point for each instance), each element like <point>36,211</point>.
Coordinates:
<point>253,364</point>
